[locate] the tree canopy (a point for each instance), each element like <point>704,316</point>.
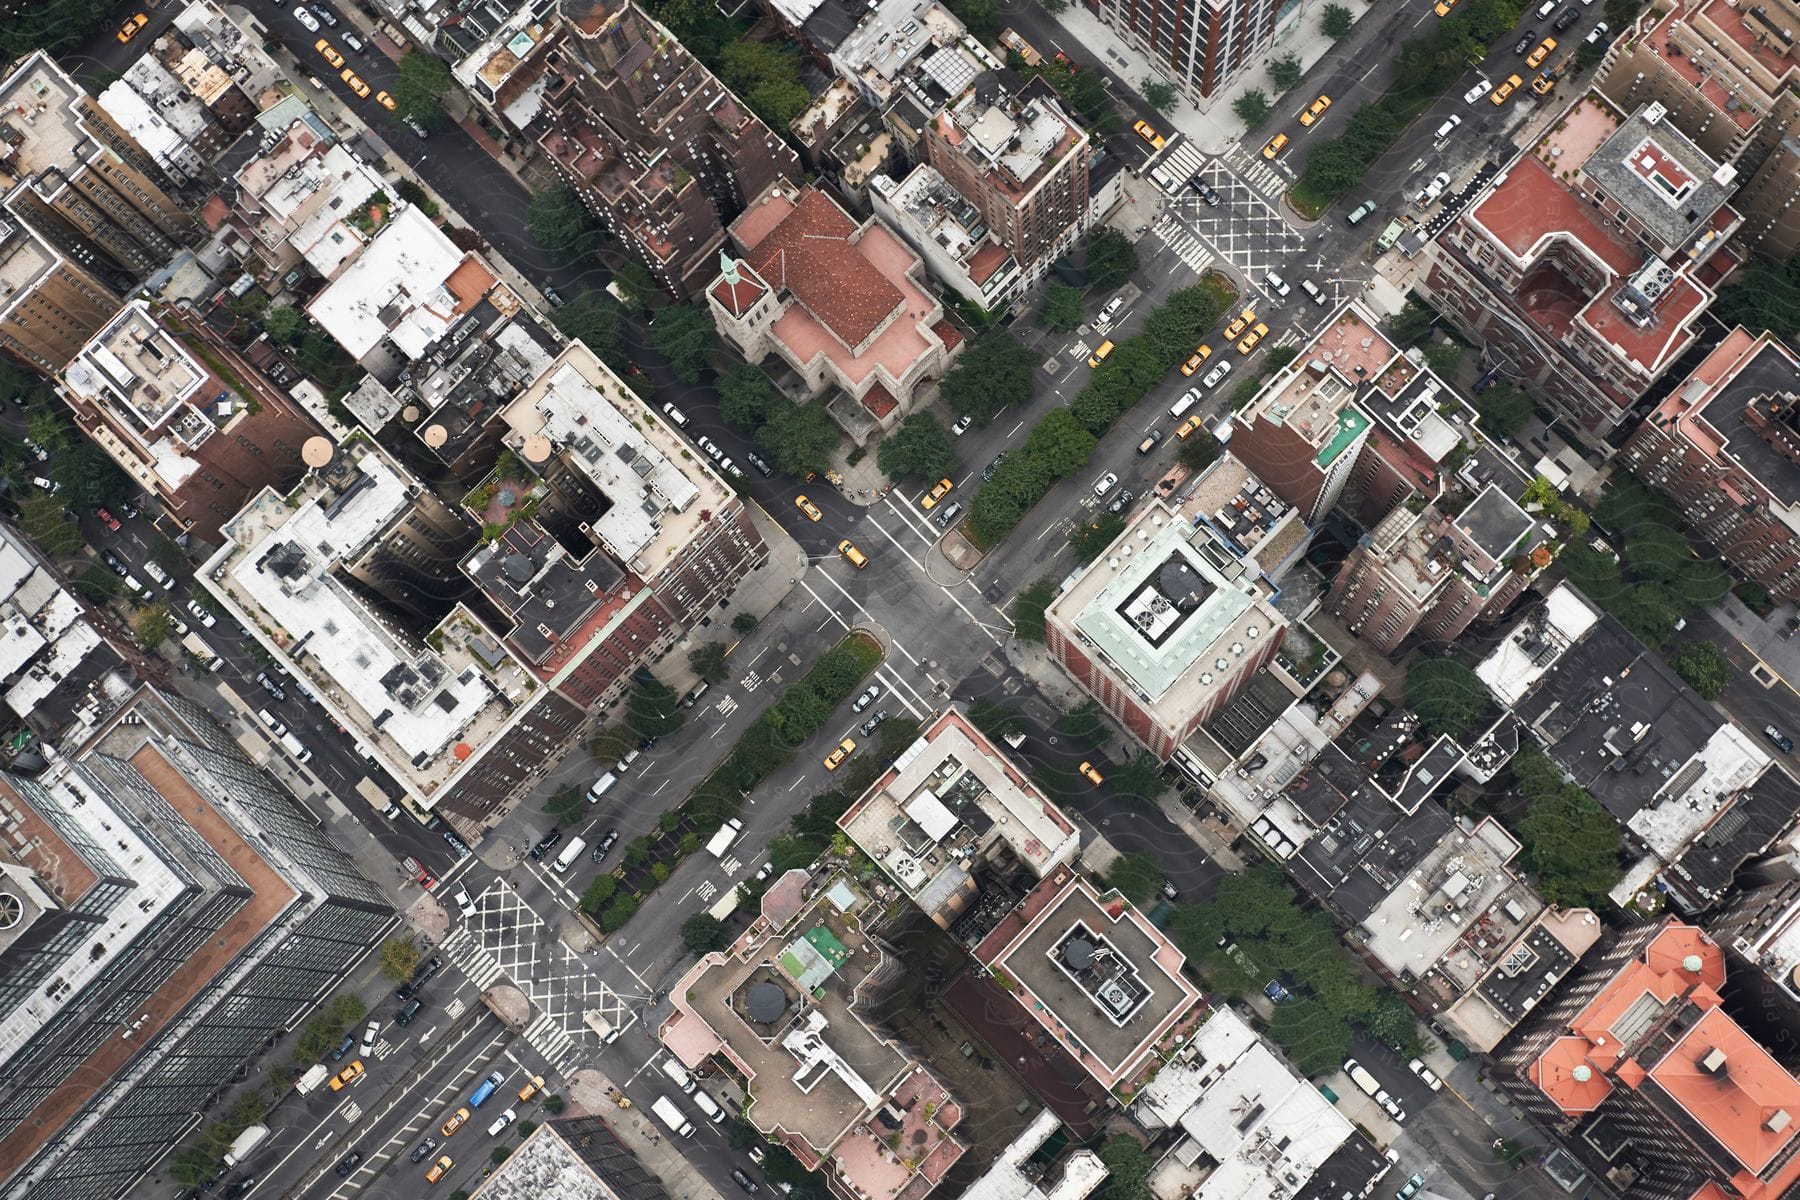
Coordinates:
<point>1111,259</point>
<point>559,222</point>
<point>1252,107</point>
<point>1158,95</point>
<point>651,708</point>
<point>1703,666</point>
<point>1571,843</point>
<point>685,335</point>
<point>995,371</point>
<point>1335,21</point>
<point>1446,696</point>
<point>919,448</point>
<point>800,437</point>
<point>594,318</point>
<point>1061,310</point>
<point>703,932</point>
<point>420,84</point>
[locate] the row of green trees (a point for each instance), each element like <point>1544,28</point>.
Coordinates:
<point>1423,68</point>
<point>1656,578</point>
<point>1254,930</point>
<point>798,437</point>
<point>1064,440</point>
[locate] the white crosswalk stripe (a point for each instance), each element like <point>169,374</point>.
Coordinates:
<point>472,959</point>
<point>548,1039</point>
<point>1183,159</point>
<point>1186,246</point>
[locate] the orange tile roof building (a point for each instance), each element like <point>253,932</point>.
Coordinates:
<point>1584,267</point>
<point>842,303</point>
<point>1653,1086</point>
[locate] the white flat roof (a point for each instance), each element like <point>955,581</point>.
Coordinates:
<point>394,288</point>
<point>1532,647</point>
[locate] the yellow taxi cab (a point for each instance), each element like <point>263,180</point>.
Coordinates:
<point>1275,146</point>
<point>1193,364</point>
<point>348,1075</point>
<point>329,51</point>
<point>836,758</point>
<point>132,24</point>
<point>1443,7</point>
<point>938,492</point>
<point>1242,323</point>
<point>354,82</point>
<point>1254,336</point>
<point>1186,429</point>
<point>1504,90</point>
<point>1542,84</point>
<point>1536,58</point>
<point>852,555</point>
<point>1148,132</point>
<point>1315,110</point>
<point>455,1122</point>
<point>1099,355</point>
<point>809,508</point>
<point>386,101</point>
<point>1094,777</point>
<point>531,1087</point>
<point>439,1169</point>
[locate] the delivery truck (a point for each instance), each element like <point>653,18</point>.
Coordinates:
<point>669,1115</point>
<point>246,1144</point>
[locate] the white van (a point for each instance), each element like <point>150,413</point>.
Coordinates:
<point>709,1108</point>
<point>602,785</point>
<point>272,721</point>
<point>571,854</point>
<point>296,747</point>
<point>1360,1077</point>
<point>678,1075</point>
<point>1188,399</point>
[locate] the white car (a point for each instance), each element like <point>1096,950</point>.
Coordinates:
<point>1482,87</point>
<point>201,615</point>
<point>869,696</point>
<point>1391,1105</point>
<point>1112,306</point>
<point>1435,188</point>
<point>371,1035</point>
<point>503,1120</point>
<point>464,901</point>
<point>306,18</point>
<point>1107,483</point>
<point>962,426</point>
<point>1418,1067</point>
<point>1596,33</point>
<point>1220,370</point>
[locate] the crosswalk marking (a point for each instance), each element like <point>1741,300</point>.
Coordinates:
<point>1181,240</point>
<point>548,1038</point>
<point>471,958</point>
<point>1183,160</point>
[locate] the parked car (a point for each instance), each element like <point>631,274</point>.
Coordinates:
<point>1106,483</point>
<point>546,844</point>
<point>1780,739</point>
<point>1417,1067</point>
<point>610,839</point>
<point>962,426</point>
<point>868,697</point>
<point>874,722</point>
<point>348,1164</point>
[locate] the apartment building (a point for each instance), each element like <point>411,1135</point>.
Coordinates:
<point>1727,76</point>
<point>1198,47</point>
<point>1584,267</point>
<point>652,142</point>
<point>1724,444</point>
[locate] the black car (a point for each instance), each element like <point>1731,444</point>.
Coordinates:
<point>873,723</point>
<point>744,1181</point>
<point>987,472</point>
<point>554,297</point>
<point>1120,501</point>
<point>1526,41</point>
<point>457,844</point>
<point>270,686</point>
<point>756,460</point>
<point>424,1148</point>
<point>421,977</point>
<point>1566,18</point>
<point>240,1188</point>
<point>644,743</point>
<point>117,565</point>
<point>326,15</point>
<point>547,845</point>
<point>1781,740</point>
<point>1208,194</point>
<point>349,1164</point>
<point>603,845</point>
<point>344,1047</point>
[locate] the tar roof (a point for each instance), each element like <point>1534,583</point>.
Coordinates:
<point>1754,415</point>
<point>1658,176</point>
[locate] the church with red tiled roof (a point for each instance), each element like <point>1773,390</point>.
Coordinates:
<point>842,303</point>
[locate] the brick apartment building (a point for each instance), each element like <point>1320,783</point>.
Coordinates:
<point>1728,77</point>
<point>1200,47</point>
<point>1651,1084</point>
<point>652,142</point>
<point>1585,266</point>
<point>1725,446</point>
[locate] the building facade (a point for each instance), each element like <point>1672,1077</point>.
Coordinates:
<point>652,142</point>
<point>1725,446</point>
<point>1199,47</point>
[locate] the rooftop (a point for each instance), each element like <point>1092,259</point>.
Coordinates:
<point>1530,967</point>
<point>1264,1128</point>
<point>39,123</point>
<point>409,285</point>
<point>1016,1174</point>
<point>47,642</point>
<point>1458,880</point>
<point>146,381</point>
<point>658,494</point>
<point>424,711</point>
<point>1101,979</point>
<point>571,1158</point>
<point>1171,609</point>
<point>1533,646</point>
<point>1737,407</point>
<point>943,216</point>
<point>895,38</point>
<point>1665,182</point>
<point>1017,140</point>
<point>808,245</point>
<point>950,799</point>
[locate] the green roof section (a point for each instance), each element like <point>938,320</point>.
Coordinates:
<point>1351,423</point>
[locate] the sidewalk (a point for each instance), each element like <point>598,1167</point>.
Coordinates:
<point>1763,638</point>
<point>759,594</point>
<point>592,1093</point>
<point>1216,129</point>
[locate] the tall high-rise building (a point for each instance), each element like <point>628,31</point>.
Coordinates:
<point>652,142</point>
<point>1725,445</point>
<point>1200,47</point>
<point>170,908</point>
<point>84,216</point>
<point>1584,267</point>
<point>1728,76</point>
<point>1021,160</point>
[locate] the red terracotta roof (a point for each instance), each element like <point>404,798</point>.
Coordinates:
<point>1737,1102</point>
<point>987,260</point>
<point>879,400</point>
<point>811,254</point>
<point>1564,1074</point>
<point>948,333</point>
<point>739,297</point>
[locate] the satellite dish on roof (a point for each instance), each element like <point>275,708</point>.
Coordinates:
<point>315,452</point>
<point>1079,954</point>
<point>536,448</point>
<point>435,436</point>
<point>765,1002</point>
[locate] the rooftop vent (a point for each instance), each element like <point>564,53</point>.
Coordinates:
<point>1778,1121</point>
<point>1714,1062</point>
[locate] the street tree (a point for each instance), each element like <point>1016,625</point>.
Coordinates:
<point>399,958</point>
<point>652,709</point>
<point>420,84</point>
<point>746,397</point>
<point>1061,310</point>
<point>1703,666</point>
<point>152,624</point>
<point>685,335</point>
<point>800,437</point>
<point>994,372</point>
<point>1091,538</point>
<point>708,660</point>
<point>703,932</point>
<point>1200,450</point>
<point>1252,107</point>
<point>561,224</point>
<point>595,319</point>
<point>1138,877</point>
<point>1028,609</point>
<point>1111,259</point>
<point>1060,443</point>
<point>1285,72</point>
<point>919,448</point>
<point>1140,778</point>
<point>639,286</point>
<point>1335,22</point>
<point>1158,95</point>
